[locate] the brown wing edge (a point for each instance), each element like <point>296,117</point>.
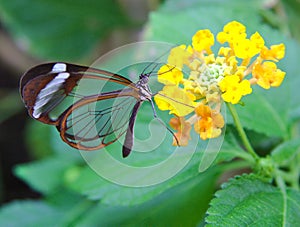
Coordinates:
<point>62,127</point>
<point>36,78</point>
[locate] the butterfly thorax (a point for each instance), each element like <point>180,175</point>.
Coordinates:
<point>144,90</point>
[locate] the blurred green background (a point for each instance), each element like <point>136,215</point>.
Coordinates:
<point>32,32</point>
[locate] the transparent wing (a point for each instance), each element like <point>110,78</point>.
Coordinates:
<point>97,121</point>
<point>90,107</point>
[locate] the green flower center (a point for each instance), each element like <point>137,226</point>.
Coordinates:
<point>209,78</point>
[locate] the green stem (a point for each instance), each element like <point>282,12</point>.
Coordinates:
<point>281,184</point>
<point>241,131</point>
<point>295,172</point>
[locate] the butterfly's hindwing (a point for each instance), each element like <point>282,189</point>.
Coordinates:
<point>93,124</point>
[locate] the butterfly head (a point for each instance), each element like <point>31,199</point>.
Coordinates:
<point>144,76</point>
<point>142,85</point>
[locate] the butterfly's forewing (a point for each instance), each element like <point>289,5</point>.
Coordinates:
<point>91,108</point>
<point>45,87</point>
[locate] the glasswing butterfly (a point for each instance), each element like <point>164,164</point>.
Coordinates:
<point>60,94</point>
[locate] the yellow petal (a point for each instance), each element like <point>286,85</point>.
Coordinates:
<point>176,100</point>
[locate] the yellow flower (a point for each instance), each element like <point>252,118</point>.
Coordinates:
<point>275,53</point>
<point>240,71</point>
<point>176,100</point>
<point>179,55</point>
<point>234,88</point>
<point>268,75</point>
<point>213,78</point>
<point>247,48</point>
<point>203,40</point>
<point>231,32</point>
<point>224,51</point>
<point>169,75</point>
<point>233,62</point>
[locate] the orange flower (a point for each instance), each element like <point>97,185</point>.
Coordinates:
<point>183,131</point>
<point>210,122</point>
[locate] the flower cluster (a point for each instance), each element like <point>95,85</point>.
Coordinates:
<point>196,81</point>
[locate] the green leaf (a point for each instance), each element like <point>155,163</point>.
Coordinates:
<point>248,201</point>
<point>225,152</point>
<point>230,148</point>
<point>29,213</point>
<point>177,20</point>
<point>183,205</point>
<point>259,115</point>
<point>286,152</point>
<point>44,176</point>
<point>64,30</point>
<point>90,184</point>
<point>261,143</point>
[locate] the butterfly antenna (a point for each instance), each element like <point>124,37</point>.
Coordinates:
<point>156,64</point>
<point>152,70</point>
<point>169,70</point>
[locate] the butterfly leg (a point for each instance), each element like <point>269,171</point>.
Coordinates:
<point>161,122</point>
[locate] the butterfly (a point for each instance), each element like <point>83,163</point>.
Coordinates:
<point>91,108</point>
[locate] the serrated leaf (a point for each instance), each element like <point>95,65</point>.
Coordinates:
<point>248,201</point>
<point>64,30</point>
<point>29,213</point>
<point>46,175</point>
<point>286,152</point>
